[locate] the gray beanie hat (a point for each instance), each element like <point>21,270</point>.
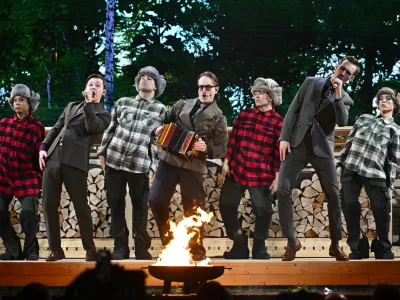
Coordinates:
<point>153,73</point>
<point>24,91</point>
<point>271,87</point>
<point>392,94</point>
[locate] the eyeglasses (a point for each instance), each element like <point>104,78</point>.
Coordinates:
<point>207,87</point>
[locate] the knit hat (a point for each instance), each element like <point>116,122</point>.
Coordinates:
<point>23,91</point>
<point>392,94</point>
<point>271,87</point>
<point>153,73</point>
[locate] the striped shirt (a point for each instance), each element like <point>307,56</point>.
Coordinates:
<point>372,149</point>
<point>127,143</point>
<point>253,147</point>
<point>19,156</point>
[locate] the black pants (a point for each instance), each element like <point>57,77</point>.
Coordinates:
<point>29,222</point>
<point>163,188</point>
<point>378,194</point>
<point>261,203</point>
<point>326,171</point>
<point>138,184</point>
<point>75,181</point>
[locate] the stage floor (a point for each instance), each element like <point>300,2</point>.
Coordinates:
<point>274,272</point>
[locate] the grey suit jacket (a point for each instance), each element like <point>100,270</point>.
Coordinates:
<point>304,112</point>
<point>78,132</point>
<point>209,123</point>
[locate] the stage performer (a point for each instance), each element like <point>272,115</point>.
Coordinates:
<point>371,158</point>
<point>307,137</point>
<point>64,156</point>
<point>252,162</point>
<point>202,116</point>
<point>127,158</point>
<point>20,139</point>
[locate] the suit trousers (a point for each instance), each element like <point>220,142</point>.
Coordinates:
<point>138,183</point>
<point>75,181</point>
<point>378,194</point>
<point>261,203</point>
<point>325,168</point>
<point>163,188</point>
<point>29,221</point>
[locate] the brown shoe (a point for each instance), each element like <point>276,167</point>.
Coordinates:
<point>91,255</point>
<point>338,253</point>
<point>56,255</point>
<point>290,253</point>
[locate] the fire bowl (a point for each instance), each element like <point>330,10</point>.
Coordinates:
<point>191,276</point>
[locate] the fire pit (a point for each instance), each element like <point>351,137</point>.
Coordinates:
<point>192,276</point>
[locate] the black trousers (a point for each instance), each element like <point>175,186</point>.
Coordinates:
<point>378,194</point>
<point>29,222</point>
<point>163,188</point>
<point>261,203</point>
<point>326,171</point>
<point>75,181</point>
<point>138,184</point>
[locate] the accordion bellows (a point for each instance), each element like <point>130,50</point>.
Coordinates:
<point>178,140</point>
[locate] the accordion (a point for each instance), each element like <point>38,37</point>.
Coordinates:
<point>178,140</point>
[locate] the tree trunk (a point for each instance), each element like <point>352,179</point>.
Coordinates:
<point>48,85</point>
<point>109,76</point>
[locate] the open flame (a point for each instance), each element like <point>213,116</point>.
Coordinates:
<point>177,252</point>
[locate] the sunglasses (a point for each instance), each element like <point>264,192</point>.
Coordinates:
<point>207,87</point>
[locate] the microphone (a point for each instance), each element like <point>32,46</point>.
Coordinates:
<point>335,85</point>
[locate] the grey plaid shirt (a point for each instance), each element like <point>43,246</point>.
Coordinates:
<point>127,143</point>
<point>372,149</point>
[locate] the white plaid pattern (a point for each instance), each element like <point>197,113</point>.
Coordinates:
<point>127,143</point>
<point>372,149</point>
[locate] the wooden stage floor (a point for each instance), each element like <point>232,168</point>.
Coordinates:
<point>300,272</point>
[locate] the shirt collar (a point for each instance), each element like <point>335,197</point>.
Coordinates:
<point>387,121</point>
<point>267,113</point>
<point>23,121</point>
<point>151,100</point>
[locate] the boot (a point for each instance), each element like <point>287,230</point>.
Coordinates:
<point>240,249</point>
<point>259,251</point>
<point>121,248</point>
<point>198,252</point>
<point>362,250</point>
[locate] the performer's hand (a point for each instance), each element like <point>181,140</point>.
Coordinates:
<point>159,130</point>
<point>103,163</point>
<point>225,172</point>
<point>200,146</point>
<point>42,157</point>
<point>283,147</point>
<point>274,186</point>
<point>338,83</point>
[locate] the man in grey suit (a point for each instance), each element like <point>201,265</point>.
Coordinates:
<point>307,137</point>
<point>64,156</point>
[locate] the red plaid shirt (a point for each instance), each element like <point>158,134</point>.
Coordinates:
<point>253,147</point>
<point>19,160</point>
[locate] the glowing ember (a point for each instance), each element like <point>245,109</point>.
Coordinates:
<point>177,252</point>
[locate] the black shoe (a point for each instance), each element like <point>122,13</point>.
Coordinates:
<point>379,250</point>
<point>32,256</point>
<point>355,255</point>
<point>259,251</point>
<point>8,256</point>
<point>142,254</point>
<point>121,248</point>
<point>240,249</point>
